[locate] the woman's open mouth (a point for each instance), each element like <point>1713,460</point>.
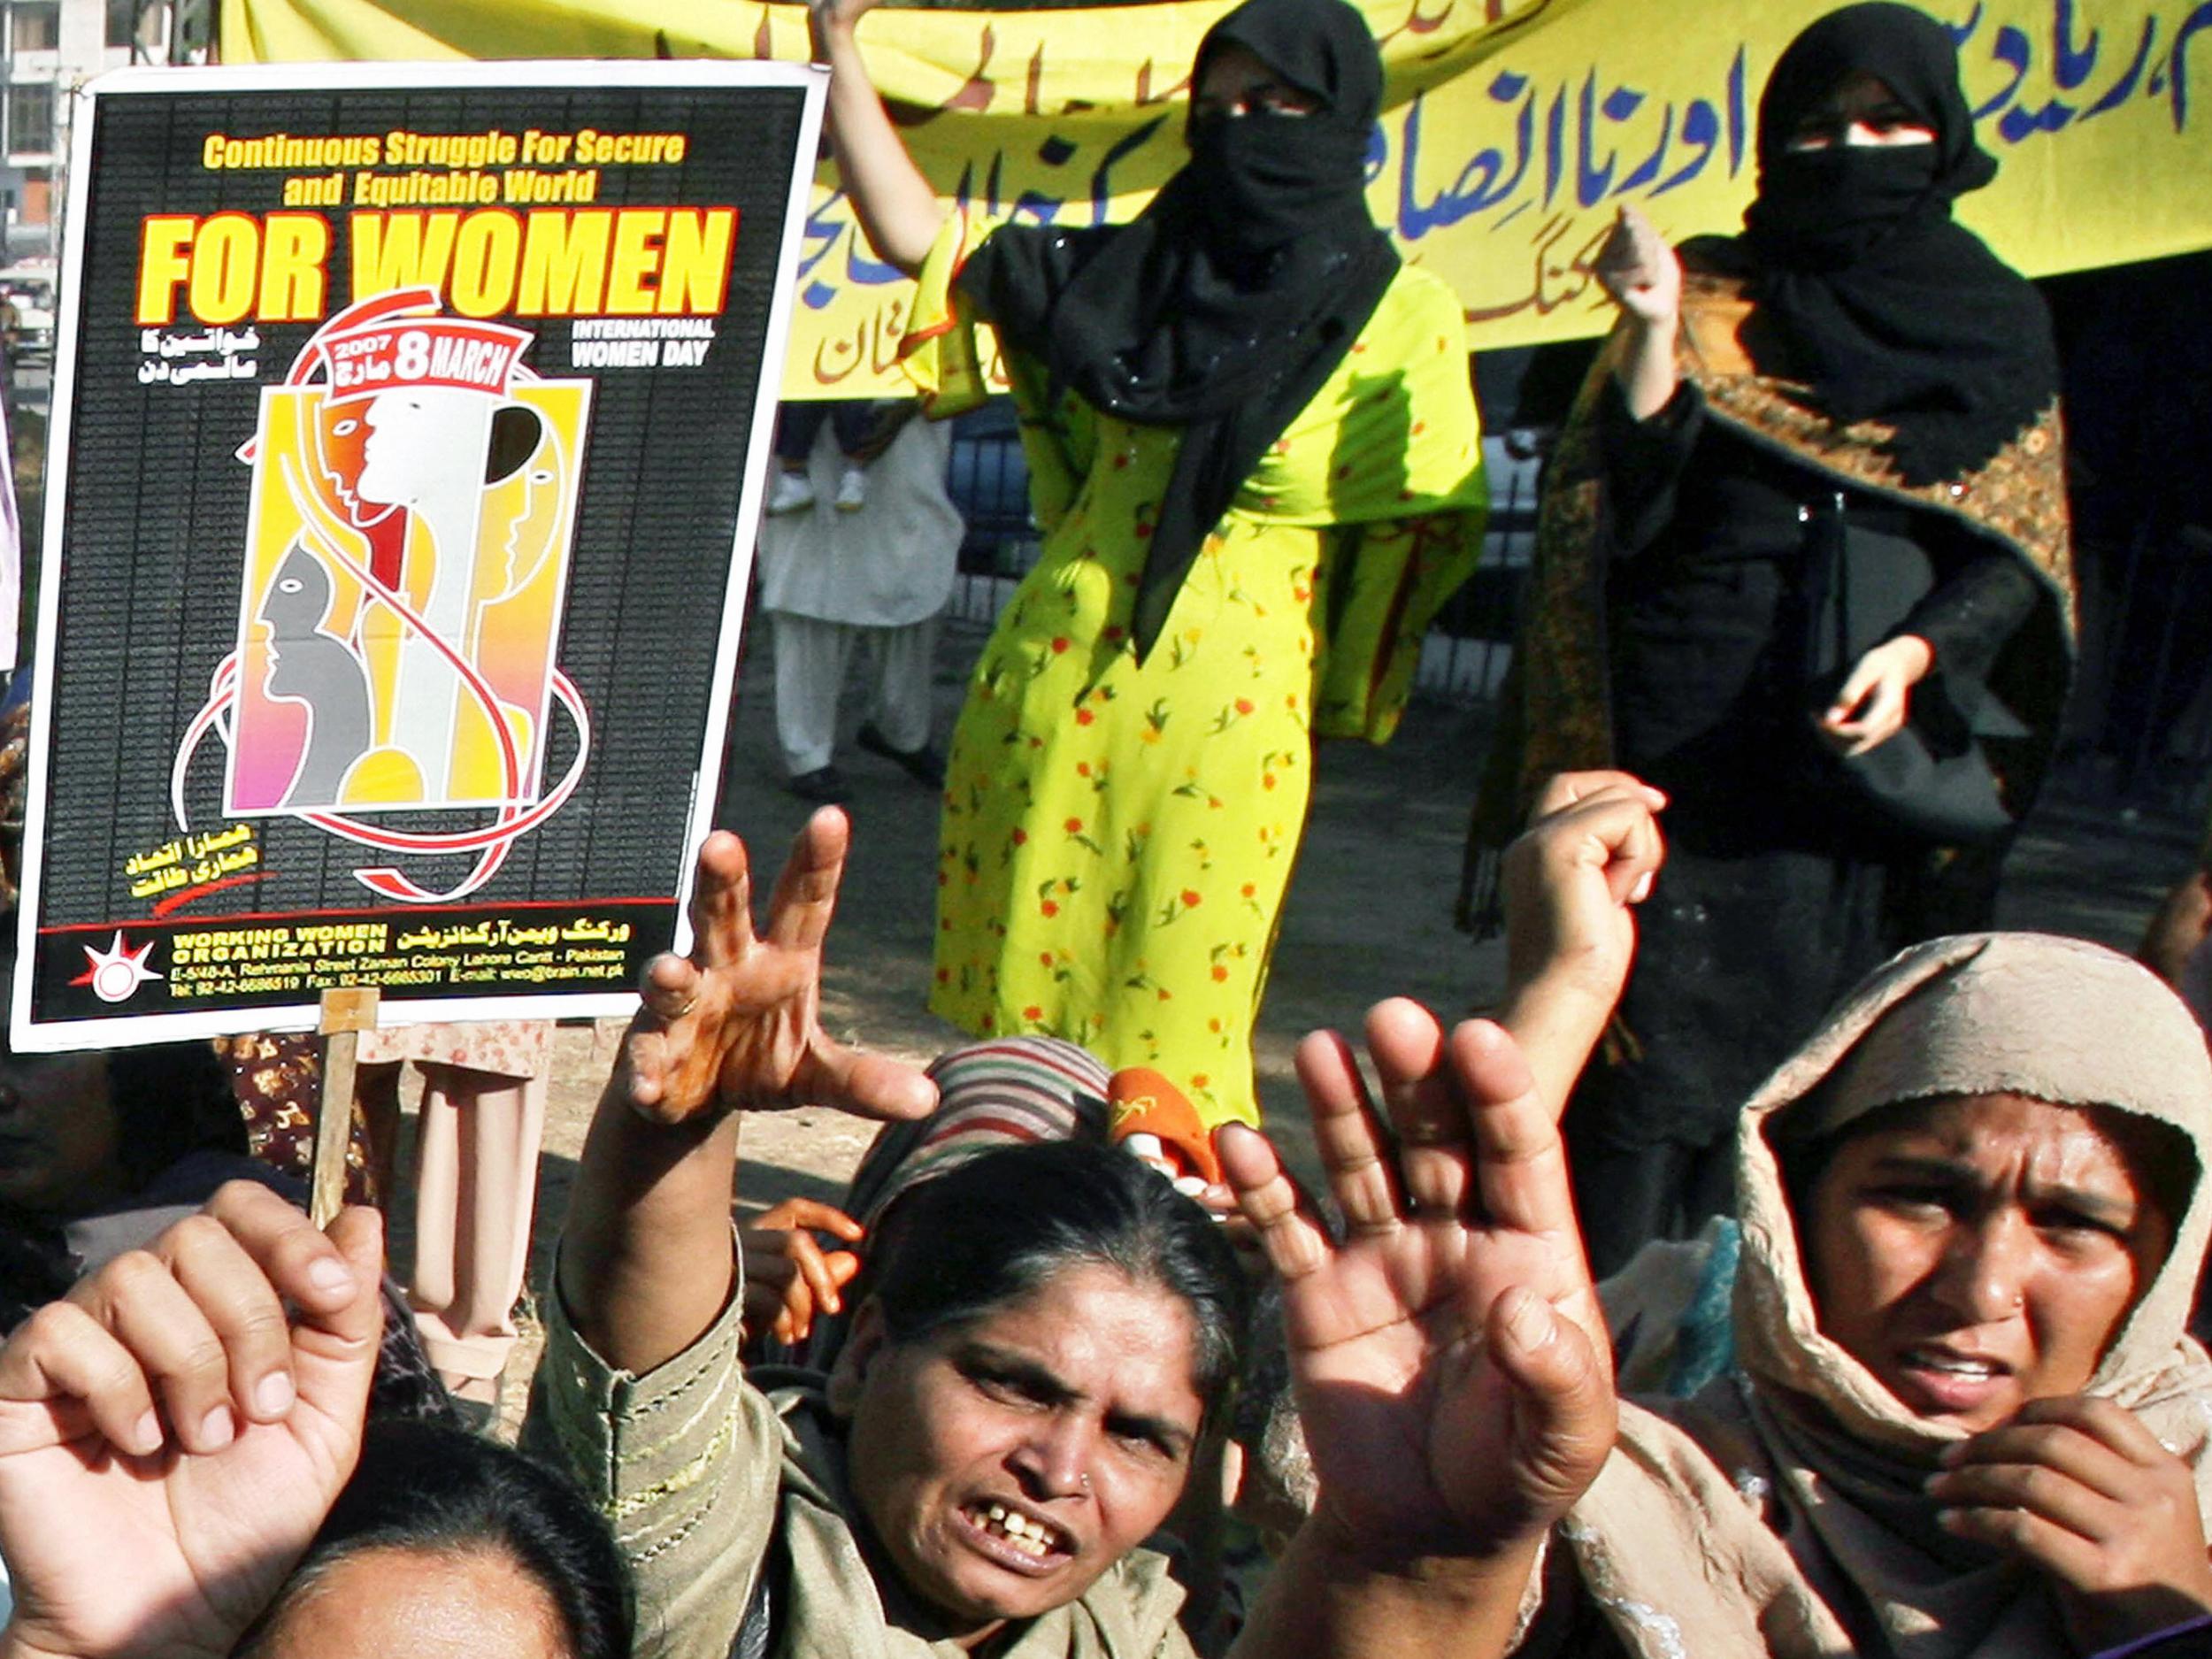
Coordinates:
<point>1942,1379</point>
<point>1014,1539</point>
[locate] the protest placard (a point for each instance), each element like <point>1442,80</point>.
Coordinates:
<point>409,429</point>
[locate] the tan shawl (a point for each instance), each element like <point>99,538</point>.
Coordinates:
<point>1779,1511</point>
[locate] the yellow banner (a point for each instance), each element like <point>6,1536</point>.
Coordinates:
<point>1513,133</point>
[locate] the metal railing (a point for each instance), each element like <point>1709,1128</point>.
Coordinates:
<point>2138,728</point>
<point>1467,651</point>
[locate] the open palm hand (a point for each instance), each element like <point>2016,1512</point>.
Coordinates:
<point>737,1024</point>
<point>1449,1354</point>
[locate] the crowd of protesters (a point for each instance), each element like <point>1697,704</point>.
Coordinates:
<point>1789,1265</point>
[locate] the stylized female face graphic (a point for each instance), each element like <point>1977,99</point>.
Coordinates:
<point>420,444</point>
<point>294,605</point>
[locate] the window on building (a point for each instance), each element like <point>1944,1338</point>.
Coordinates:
<point>31,118</point>
<point>122,22</point>
<point>36,28</point>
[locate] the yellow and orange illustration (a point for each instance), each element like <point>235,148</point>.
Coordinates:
<point>407,555</point>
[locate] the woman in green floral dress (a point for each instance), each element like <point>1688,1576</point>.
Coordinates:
<point>1255,457</point>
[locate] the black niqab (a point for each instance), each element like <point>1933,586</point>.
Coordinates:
<point>1889,309</point>
<point>1225,305</point>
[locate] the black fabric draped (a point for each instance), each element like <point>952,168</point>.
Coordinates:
<point>1887,308</point>
<point>1225,305</point>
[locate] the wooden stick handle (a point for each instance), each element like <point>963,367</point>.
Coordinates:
<point>346,1013</point>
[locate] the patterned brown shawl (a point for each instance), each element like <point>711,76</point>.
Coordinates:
<point>1554,714</point>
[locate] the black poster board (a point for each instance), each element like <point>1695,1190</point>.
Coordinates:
<point>408,430</point>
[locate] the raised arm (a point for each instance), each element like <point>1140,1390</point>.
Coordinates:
<point>1591,850</point>
<point>898,211</point>
<point>646,1259</point>
<point>1643,277</point>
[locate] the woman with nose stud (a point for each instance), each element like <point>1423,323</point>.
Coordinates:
<point>1956,1413</point>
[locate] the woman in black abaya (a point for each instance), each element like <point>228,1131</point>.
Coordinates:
<point>1804,565</point>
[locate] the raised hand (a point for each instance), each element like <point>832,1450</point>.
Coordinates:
<point>736,1025</point>
<point>169,1439</point>
<point>789,1278</point>
<point>1644,278</point>
<point>2080,1489</point>
<point>645,1262</point>
<point>826,16</point>
<point>1449,1357</point>
<point>1641,273</point>
<point>1591,850</point>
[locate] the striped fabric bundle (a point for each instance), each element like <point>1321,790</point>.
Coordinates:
<point>1007,1091</point>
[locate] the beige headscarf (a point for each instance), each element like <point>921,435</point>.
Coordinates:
<point>1780,1510</point>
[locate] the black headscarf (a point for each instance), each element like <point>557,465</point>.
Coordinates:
<point>1889,309</point>
<point>1224,307</point>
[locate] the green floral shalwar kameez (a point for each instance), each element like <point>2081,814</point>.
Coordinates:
<point>1118,835</point>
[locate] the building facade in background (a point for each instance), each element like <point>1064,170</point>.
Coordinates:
<point>49,47</point>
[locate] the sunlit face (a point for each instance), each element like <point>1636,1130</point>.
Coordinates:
<point>57,1130</point>
<point>1981,1251</point>
<point>1003,1464</point>
<point>1237,82</point>
<point>1861,113</point>
<point>426,1604</point>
